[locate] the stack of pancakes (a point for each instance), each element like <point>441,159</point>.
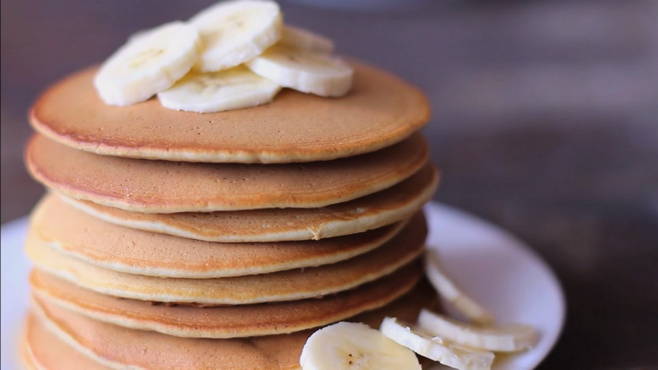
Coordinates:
<point>184,240</point>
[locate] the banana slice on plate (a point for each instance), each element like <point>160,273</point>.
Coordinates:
<point>233,88</point>
<point>435,348</point>
<point>234,32</point>
<point>352,346</point>
<point>300,38</point>
<point>452,293</point>
<point>148,63</point>
<point>507,338</point>
<point>303,70</point>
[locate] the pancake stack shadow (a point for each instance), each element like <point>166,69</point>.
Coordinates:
<point>182,240</point>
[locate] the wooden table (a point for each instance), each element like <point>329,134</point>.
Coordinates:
<point>545,122</point>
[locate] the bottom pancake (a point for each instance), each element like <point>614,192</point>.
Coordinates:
<point>122,347</point>
<point>226,321</point>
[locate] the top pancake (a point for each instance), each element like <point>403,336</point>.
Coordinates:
<point>380,110</point>
<point>166,187</point>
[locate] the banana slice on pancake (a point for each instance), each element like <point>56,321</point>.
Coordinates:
<point>233,88</point>
<point>234,32</point>
<point>148,63</point>
<point>300,38</point>
<point>305,71</point>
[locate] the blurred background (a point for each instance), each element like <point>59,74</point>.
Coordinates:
<point>545,121</point>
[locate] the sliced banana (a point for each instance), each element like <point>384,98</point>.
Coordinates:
<point>233,88</point>
<point>234,32</point>
<point>452,293</point>
<point>300,38</point>
<point>147,64</point>
<point>353,346</point>
<point>508,338</point>
<point>435,348</point>
<point>305,71</point>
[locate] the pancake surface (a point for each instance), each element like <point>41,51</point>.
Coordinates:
<point>356,216</point>
<point>280,286</point>
<point>74,233</point>
<point>165,187</point>
<point>129,347</point>
<point>42,349</point>
<point>379,111</point>
<point>226,321</point>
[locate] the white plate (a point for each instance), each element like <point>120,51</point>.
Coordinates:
<point>15,268</point>
<point>503,274</point>
<point>491,265</point>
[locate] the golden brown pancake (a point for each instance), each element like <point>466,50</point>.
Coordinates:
<point>128,347</point>
<point>77,234</point>
<point>226,321</point>
<point>379,111</point>
<point>164,187</point>
<point>41,348</point>
<point>265,225</point>
<point>279,286</point>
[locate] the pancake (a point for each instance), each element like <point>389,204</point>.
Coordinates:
<point>376,210</point>
<point>226,321</point>
<point>41,348</point>
<point>280,286</point>
<point>123,347</point>
<point>379,111</point>
<point>165,187</point>
<point>118,248</point>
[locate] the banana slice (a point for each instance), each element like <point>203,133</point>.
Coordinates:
<point>148,63</point>
<point>234,32</point>
<point>451,292</point>
<point>435,348</point>
<point>305,71</point>
<point>233,88</point>
<point>300,38</point>
<point>353,346</point>
<point>508,338</point>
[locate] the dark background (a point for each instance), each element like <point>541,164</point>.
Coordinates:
<point>545,122</point>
